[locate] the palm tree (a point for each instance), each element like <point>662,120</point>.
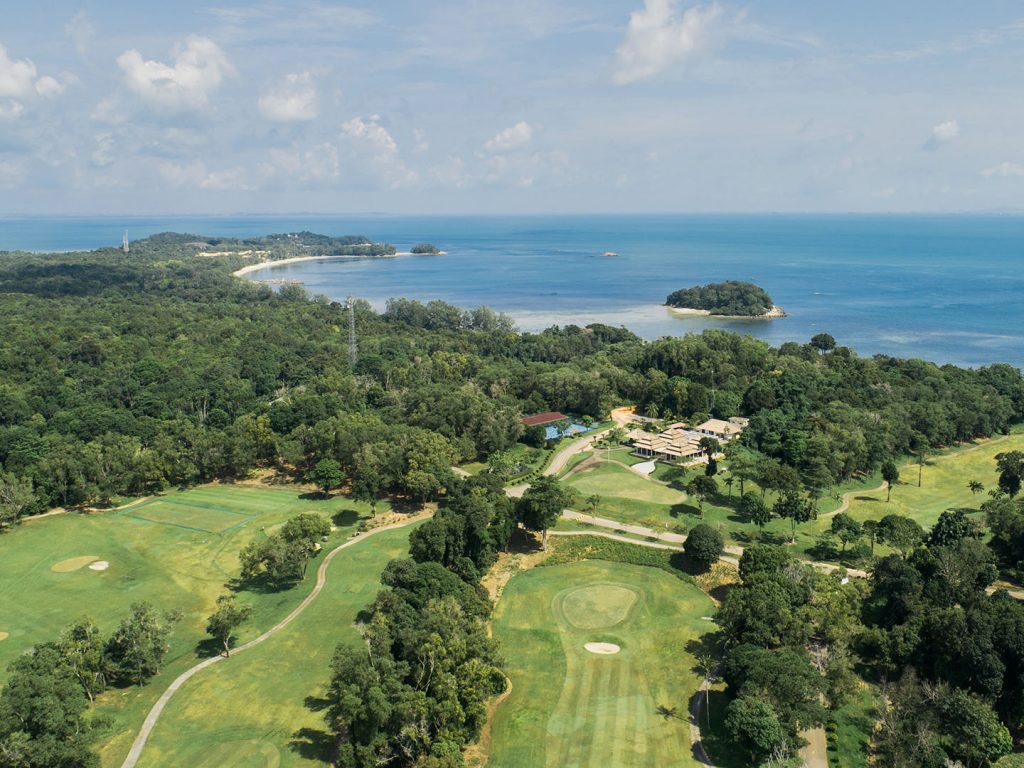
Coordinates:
<point>729,481</point>
<point>707,665</point>
<point>976,487</point>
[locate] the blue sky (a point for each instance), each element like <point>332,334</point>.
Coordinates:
<point>512,106</point>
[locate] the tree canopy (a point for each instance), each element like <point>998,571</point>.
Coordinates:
<point>731,297</point>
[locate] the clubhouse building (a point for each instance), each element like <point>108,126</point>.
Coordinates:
<point>681,445</point>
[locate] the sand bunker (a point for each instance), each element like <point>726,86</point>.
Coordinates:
<point>605,649</point>
<point>72,564</point>
<point>99,565</point>
<point>3,636</point>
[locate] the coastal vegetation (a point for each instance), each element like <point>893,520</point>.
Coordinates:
<point>425,249</point>
<point>732,298</point>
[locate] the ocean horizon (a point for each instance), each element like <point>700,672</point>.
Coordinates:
<point>947,288</point>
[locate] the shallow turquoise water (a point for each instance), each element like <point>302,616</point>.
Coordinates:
<point>946,288</point>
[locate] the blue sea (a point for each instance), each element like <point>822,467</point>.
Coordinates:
<point>943,288</point>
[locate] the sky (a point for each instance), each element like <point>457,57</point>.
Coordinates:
<point>511,106</point>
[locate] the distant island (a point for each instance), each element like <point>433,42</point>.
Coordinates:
<point>731,298</point>
<point>425,249</point>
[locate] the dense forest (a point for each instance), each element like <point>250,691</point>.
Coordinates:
<point>729,298</point>
<point>129,373</point>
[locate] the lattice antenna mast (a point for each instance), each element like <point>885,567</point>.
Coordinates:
<point>353,350</point>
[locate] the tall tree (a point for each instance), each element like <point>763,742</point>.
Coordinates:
<point>891,475</point>
<point>702,488</point>
<point>1010,466</point>
<point>847,530</point>
<point>703,547</point>
<point>81,648</point>
<point>16,496</point>
<point>325,475</point>
<point>138,646</point>
<point>43,714</point>
<point>796,509</point>
<point>226,619</point>
<point>541,506</point>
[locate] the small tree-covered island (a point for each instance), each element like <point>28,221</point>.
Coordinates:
<point>732,298</point>
<point>421,538</point>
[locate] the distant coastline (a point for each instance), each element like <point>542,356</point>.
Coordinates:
<point>771,314</point>
<point>248,268</point>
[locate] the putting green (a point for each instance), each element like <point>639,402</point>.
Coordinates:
<point>570,706</point>
<point>72,564</point>
<point>596,606</point>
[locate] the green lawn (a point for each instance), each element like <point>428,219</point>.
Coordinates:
<point>855,721</point>
<point>157,553</point>
<point>610,479</point>
<point>943,483</point>
<point>260,708</point>
<point>569,707</point>
<point>631,498</point>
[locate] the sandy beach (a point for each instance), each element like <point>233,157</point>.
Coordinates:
<point>295,259</point>
<point>774,312</point>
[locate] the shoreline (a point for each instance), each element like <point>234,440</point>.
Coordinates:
<point>771,314</point>
<point>248,268</point>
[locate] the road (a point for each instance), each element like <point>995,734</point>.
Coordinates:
<point>321,578</point>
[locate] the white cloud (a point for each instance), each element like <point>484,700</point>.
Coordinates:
<point>195,174</point>
<point>199,68</point>
<point>19,80</point>
<point>319,163</point>
<point>104,153</point>
<point>943,133</point>
<point>11,174</point>
<point>513,137</point>
<point>17,77</point>
<point>292,99</point>
<point>450,173</point>
<point>49,86</point>
<point>658,36</point>
<point>946,131</point>
<point>1004,170</point>
<point>11,110</point>
<point>80,31</point>
<point>373,146</point>
<point>109,111</point>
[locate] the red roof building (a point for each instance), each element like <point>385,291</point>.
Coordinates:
<point>539,419</point>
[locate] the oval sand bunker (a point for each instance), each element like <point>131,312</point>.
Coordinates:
<point>72,564</point>
<point>605,649</point>
<point>99,565</point>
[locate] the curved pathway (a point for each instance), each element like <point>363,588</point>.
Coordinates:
<point>321,578</point>
<point>848,496</point>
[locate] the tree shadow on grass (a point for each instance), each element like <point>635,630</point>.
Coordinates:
<point>866,498</point>
<point>345,518</point>
<point>208,647</point>
<point>670,713</point>
<point>687,510</point>
<point>260,585</point>
<point>313,744</point>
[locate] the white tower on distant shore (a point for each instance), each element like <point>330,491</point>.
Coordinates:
<point>124,242</point>
<point>352,348</point>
